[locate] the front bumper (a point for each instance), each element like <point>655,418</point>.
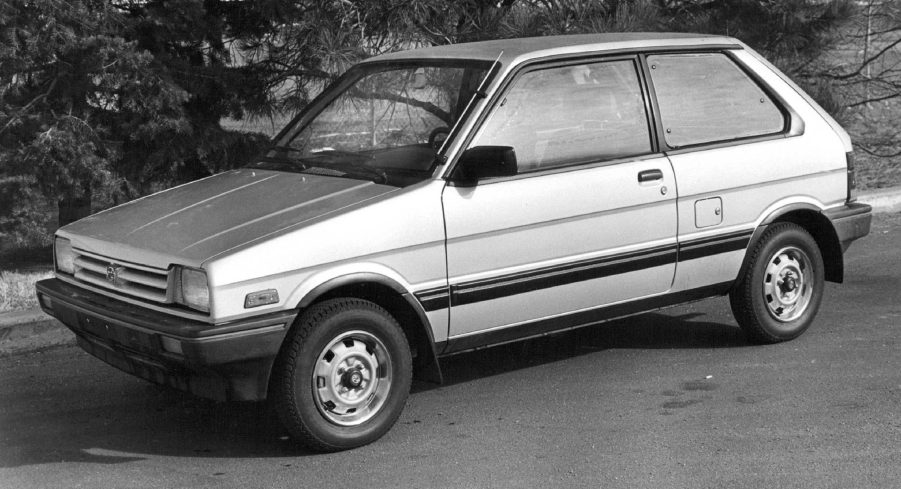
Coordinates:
<point>228,361</point>
<point>851,221</point>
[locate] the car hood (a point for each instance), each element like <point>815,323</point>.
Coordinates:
<point>199,220</point>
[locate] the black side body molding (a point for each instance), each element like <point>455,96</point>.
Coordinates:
<point>578,319</point>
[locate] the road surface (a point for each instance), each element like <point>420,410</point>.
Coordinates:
<point>665,400</point>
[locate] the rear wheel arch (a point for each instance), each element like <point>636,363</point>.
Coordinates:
<point>778,297</point>
<point>820,228</point>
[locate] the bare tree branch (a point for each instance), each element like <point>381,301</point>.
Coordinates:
<point>867,61</point>
<point>873,99</point>
<point>874,153</point>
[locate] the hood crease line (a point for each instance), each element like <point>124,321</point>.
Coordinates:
<point>267,216</point>
<point>198,203</point>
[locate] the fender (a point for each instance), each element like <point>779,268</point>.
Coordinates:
<point>776,214</point>
<point>771,218</point>
<point>429,368</point>
<point>821,229</point>
<point>349,279</point>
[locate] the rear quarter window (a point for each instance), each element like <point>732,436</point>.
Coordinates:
<point>706,97</point>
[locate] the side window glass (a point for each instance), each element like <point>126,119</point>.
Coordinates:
<point>572,114</point>
<point>705,97</point>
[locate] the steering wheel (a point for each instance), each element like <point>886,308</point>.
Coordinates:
<point>435,139</point>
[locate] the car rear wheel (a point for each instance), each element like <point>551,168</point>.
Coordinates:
<point>343,375</point>
<point>778,297</point>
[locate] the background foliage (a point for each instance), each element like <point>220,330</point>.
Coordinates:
<point>104,101</point>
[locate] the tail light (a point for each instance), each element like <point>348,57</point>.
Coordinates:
<point>852,181</point>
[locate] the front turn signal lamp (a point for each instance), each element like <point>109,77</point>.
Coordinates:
<point>260,298</point>
<point>193,289</point>
<point>63,255</point>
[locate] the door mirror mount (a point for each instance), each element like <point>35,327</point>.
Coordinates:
<point>483,162</point>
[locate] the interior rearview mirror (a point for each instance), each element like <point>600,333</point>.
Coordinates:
<point>483,162</point>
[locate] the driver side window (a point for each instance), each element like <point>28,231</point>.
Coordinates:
<point>572,114</point>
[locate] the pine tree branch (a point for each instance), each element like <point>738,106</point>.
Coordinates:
<point>27,106</point>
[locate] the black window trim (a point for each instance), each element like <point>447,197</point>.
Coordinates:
<point>658,151</point>
<point>556,62</point>
<point>571,167</point>
<point>491,72</point>
<point>792,123</point>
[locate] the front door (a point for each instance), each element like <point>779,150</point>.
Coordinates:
<point>589,221</point>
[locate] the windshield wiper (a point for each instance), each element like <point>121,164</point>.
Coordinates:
<point>324,152</point>
<point>313,161</point>
<point>276,163</point>
<point>374,174</point>
<point>338,152</point>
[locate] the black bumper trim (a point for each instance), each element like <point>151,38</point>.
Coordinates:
<point>851,221</point>
<point>224,361</point>
<point>157,322</point>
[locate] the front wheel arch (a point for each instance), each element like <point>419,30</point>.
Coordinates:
<point>399,302</point>
<point>342,377</point>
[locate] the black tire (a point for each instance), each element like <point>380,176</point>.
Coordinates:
<point>342,376</point>
<point>779,295</point>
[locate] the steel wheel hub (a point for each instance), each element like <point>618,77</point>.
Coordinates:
<point>787,284</point>
<point>351,378</point>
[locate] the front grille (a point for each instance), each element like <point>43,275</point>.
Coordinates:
<point>130,279</point>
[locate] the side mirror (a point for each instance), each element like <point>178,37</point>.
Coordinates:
<point>484,162</point>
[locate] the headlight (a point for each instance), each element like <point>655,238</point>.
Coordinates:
<point>65,258</point>
<point>193,290</point>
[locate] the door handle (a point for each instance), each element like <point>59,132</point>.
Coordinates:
<point>649,176</point>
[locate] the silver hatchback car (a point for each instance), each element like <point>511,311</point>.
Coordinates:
<point>440,200</point>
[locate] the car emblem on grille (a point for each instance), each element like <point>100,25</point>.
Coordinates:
<point>112,272</point>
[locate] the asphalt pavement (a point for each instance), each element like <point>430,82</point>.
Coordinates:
<point>664,400</point>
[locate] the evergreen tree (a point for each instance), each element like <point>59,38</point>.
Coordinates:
<point>102,102</point>
<point>72,94</point>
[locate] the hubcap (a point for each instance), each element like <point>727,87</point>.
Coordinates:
<point>788,284</point>
<point>351,378</point>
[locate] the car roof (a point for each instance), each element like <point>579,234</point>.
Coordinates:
<point>516,50</point>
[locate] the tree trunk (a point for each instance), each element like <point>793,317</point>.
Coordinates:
<point>73,209</point>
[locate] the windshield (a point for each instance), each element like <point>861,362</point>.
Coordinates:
<point>384,122</point>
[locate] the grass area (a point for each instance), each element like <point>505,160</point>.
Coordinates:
<point>19,270</point>
<point>17,289</point>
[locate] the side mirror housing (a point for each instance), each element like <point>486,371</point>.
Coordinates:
<point>484,162</point>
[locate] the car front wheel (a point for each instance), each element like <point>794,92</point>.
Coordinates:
<point>779,295</point>
<point>343,375</point>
